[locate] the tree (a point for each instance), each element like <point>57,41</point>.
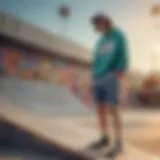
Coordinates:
<point>155,10</point>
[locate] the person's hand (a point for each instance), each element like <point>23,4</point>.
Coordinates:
<point>90,94</point>
<point>91,86</point>
<point>119,74</point>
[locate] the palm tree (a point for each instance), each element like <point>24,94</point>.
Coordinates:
<point>155,14</point>
<point>155,10</point>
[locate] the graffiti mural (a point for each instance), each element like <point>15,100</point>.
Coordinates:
<point>32,66</point>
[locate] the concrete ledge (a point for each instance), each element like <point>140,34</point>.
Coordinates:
<point>10,158</point>
<point>20,30</point>
<point>16,141</point>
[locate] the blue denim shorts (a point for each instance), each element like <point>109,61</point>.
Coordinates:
<point>106,90</point>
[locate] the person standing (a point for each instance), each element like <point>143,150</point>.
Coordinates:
<point>111,59</point>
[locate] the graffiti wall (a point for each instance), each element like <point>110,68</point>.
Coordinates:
<point>28,65</point>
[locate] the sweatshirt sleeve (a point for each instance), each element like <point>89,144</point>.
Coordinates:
<point>124,50</point>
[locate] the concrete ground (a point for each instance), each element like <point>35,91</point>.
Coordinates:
<point>147,135</point>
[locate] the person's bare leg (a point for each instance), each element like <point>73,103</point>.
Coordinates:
<point>117,126</point>
<point>102,117</point>
<point>117,123</point>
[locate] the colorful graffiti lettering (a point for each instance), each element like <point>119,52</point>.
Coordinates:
<point>31,66</point>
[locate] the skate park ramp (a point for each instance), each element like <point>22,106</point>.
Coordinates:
<point>33,107</point>
<point>71,135</point>
<point>42,97</point>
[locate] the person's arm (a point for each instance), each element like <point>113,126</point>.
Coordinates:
<point>124,51</point>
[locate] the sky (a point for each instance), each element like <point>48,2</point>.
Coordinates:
<point>130,15</point>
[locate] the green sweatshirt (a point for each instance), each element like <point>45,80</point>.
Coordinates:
<point>111,54</point>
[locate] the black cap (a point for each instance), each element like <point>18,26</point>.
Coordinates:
<point>100,16</point>
<point>96,18</point>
